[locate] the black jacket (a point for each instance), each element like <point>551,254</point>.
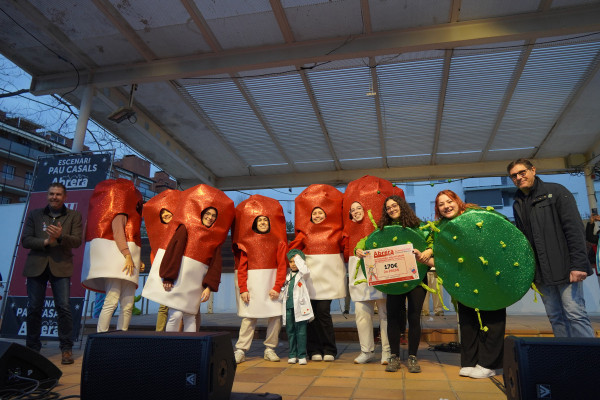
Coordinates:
<point>557,234</point>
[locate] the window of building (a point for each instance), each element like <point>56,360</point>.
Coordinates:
<point>28,179</point>
<point>8,172</point>
<point>4,200</point>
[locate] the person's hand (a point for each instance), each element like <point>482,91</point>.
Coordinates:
<point>54,231</point>
<point>273,294</point>
<point>360,253</point>
<point>129,267</point>
<point>595,217</point>
<point>167,286</point>
<point>142,267</point>
<point>246,297</point>
<point>205,295</point>
<point>425,256</point>
<point>577,276</point>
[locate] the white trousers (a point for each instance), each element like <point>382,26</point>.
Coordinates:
<point>174,318</point>
<point>247,333</point>
<point>364,311</point>
<point>117,291</point>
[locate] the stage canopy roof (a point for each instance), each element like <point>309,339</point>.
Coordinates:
<point>273,93</point>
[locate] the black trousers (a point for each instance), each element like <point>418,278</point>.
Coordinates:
<point>319,332</point>
<point>477,346</point>
<point>397,319</point>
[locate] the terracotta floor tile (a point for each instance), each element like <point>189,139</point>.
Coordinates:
<point>381,384</point>
<point>282,388</point>
<point>430,395</point>
<point>427,385</point>
<point>345,373</point>
<point>253,377</point>
<point>328,392</point>
<point>371,393</point>
<point>382,374</point>
<point>302,370</point>
<point>477,395</point>
<point>474,385</point>
<point>336,382</point>
<point>245,387</point>
<point>293,380</point>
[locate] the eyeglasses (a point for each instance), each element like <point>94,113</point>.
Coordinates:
<point>392,207</point>
<point>521,174</point>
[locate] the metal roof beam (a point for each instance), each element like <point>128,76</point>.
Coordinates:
<point>529,26</point>
<point>400,174</point>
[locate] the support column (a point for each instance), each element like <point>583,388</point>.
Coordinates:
<point>589,185</point>
<point>84,116</point>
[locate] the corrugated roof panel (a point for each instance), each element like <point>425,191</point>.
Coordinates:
<point>476,9</point>
<point>408,160</point>
<point>248,30</point>
<point>287,108</point>
<point>409,98</point>
<point>551,76</point>
<point>348,112</point>
<point>231,8</point>
<point>225,106</point>
<point>476,87</point>
<point>325,19</point>
<point>388,15</point>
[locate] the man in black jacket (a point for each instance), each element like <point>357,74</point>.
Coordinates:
<point>548,216</point>
<point>50,233</point>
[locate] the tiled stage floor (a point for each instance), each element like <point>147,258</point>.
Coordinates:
<point>342,379</point>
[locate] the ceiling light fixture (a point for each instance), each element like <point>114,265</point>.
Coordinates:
<point>124,113</point>
<point>371,92</point>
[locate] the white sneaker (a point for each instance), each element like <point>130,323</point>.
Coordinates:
<point>385,356</point>
<point>317,357</point>
<point>466,371</point>
<point>240,356</point>
<point>302,361</point>
<point>363,358</point>
<point>270,355</point>
<point>292,360</point>
<point>329,358</point>
<point>480,372</point>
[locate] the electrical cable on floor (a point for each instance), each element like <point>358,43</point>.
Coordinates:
<point>31,389</point>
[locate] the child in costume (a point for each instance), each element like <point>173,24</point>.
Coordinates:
<point>259,242</point>
<point>157,216</point>
<point>361,196</point>
<point>112,254</point>
<point>319,236</point>
<point>296,307</point>
<point>184,274</point>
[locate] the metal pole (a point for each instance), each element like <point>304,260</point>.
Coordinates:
<point>84,116</point>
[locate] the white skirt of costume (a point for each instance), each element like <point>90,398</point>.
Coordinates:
<point>187,288</point>
<point>102,259</point>
<point>360,291</point>
<point>327,279</point>
<point>260,282</point>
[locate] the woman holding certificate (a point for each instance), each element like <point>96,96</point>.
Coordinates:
<point>482,339</point>
<point>396,211</point>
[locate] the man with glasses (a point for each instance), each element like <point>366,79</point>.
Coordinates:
<point>548,216</point>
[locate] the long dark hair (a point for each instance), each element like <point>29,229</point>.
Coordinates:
<point>408,218</point>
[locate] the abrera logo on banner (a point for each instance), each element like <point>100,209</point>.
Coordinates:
<point>75,171</point>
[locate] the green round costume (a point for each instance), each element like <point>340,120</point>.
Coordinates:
<point>484,261</point>
<point>394,235</point>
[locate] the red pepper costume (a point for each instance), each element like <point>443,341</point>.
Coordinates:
<point>102,258</point>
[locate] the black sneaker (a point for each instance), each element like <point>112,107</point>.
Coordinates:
<point>413,365</point>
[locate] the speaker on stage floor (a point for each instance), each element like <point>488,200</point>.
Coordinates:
<point>157,365</point>
<point>19,360</point>
<point>551,368</point>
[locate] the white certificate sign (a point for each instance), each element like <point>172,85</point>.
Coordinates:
<point>391,264</point>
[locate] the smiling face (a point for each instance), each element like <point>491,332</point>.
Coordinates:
<point>318,215</point>
<point>356,212</point>
<point>56,197</point>
<point>392,209</point>
<point>447,207</point>
<point>262,224</point>
<point>209,217</point>
<point>522,177</point>
<point>165,216</point>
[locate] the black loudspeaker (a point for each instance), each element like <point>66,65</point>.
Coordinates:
<point>157,365</point>
<point>24,362</point>
<point>551,368</point>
